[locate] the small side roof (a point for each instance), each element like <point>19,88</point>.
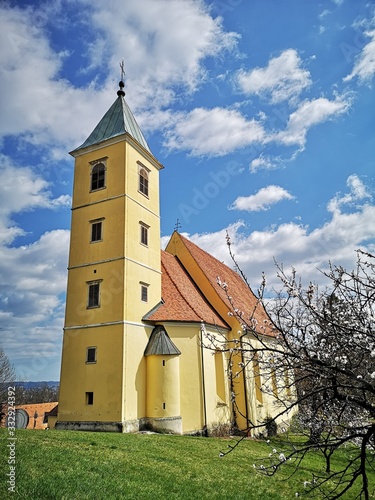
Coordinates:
<point>160,343</point>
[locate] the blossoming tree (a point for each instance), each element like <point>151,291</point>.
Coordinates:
<point>322,360</point>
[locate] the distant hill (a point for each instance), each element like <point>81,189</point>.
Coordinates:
<point>35,385</point>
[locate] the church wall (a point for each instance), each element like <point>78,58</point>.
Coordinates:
<point>114,156</point>
<point>134,160</point>
<point>200,404</point>
<point>186,339</point>
<point>112,244</point>
<point>216,387</point>
<point>137,276</point>
<point>134,402</point>
<point>111,278</point>
<point>103,377</point>
<point>163,386</point>
<point>177,247</point>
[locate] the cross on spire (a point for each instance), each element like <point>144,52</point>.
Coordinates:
<point>122,66</point>
<point>177,225</point>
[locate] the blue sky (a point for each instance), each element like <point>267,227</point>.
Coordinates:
<point>261,111</point>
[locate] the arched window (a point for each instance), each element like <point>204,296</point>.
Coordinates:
<point>98,176</point>
<point>143,181</point>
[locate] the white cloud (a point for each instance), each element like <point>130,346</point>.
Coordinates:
<point>33,279</point>
<point>33,276</point>
<point>282,79</point>
<point>309,114</point>
<point>219,131</point>
<point>364,67</point>
<point>166,42</point>
<point>22,190</point>
<point>36,102</point>
<point>213,132</point>
<point>262,200</point>
<point>358,192</point>
<point>294,245</point>
<point>263,162</point>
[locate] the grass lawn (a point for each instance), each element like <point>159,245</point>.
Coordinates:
<point>84,465</point>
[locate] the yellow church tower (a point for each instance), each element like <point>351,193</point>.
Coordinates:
<point>114,276</point>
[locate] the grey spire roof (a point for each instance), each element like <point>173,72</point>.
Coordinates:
<point>160,343</point>
<point>117,120</point>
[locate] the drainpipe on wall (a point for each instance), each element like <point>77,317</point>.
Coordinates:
<point>202,330</point>
<point>245,388</point>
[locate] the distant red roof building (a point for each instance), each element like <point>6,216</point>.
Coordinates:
<point>36,414</point>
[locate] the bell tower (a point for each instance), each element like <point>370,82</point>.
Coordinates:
<point>114,276</point>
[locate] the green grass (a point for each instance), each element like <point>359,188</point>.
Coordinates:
<point>84,465</point>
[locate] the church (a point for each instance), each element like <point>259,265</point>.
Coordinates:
<point>148,333</point>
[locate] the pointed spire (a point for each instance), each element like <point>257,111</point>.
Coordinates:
<point>118,120</point>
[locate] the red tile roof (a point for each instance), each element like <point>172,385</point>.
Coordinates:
<point>242,297</point>
<point>181,299</point>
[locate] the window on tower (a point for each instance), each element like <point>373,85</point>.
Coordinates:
<point>143,180</point>
<point>144,233</point>
<point>91,355</point>
<point>93,294</point>
<point>98,176</point>
<point>144,292</point>
<point>89,398</point>
<point>96,230</point>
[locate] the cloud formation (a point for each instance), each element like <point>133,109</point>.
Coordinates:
<point>308,114</point>
<point>213,132</point>
<point>364,67</point>
<point>262,200</point>
<point>282,79</point>
<point>347,228</point>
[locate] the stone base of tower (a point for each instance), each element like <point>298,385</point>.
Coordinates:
<point>90,426</point>
<point>170,425</point>
<point>126,427</point>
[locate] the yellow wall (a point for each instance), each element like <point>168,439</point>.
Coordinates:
<point>103,378</point>
<point>134,399</point>
<point>163,386</point>
<point>193,392</point>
